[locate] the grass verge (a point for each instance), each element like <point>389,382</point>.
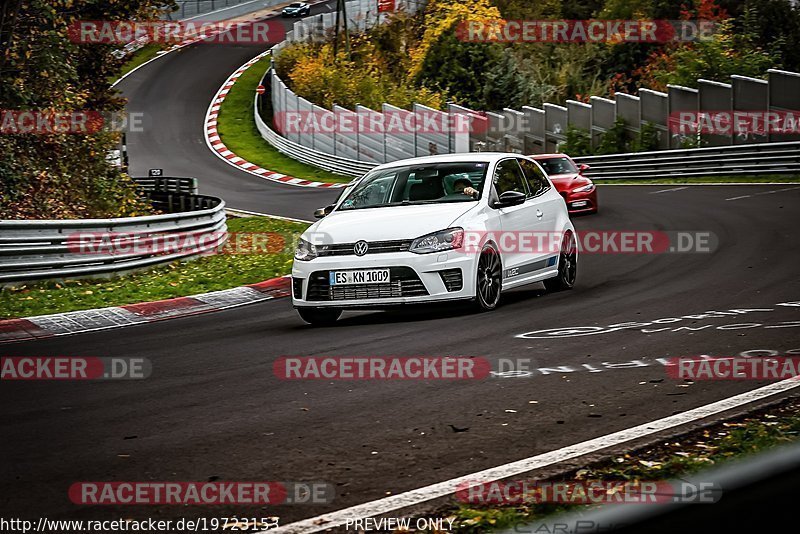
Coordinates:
<point>237,129</point>
<point>178,279</point>
<point>706,180</point>
<point>746,435</point>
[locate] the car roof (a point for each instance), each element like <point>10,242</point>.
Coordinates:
<point>547,156</point>
<point>489,157</point>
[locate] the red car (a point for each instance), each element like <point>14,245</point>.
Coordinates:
<point>578,191</point>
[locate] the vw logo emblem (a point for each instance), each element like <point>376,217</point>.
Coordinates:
<point>361,248</point>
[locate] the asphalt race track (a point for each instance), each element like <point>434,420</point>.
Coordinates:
<point>174,92</point>
<point>213,407</point>
<point>214,410</point>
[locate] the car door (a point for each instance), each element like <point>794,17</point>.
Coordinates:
<point>549,205</point>
<point>515,222</point>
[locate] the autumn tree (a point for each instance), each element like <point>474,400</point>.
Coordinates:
<point>62,175</point>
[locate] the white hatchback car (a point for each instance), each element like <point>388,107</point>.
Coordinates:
<point>432,229</point>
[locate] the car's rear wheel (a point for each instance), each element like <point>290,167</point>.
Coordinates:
<point>489,279</point>
<point>567,265</point>
<point>319,316</point>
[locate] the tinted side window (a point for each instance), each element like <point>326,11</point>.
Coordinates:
<point>508,177</point>
<point>535,177</point>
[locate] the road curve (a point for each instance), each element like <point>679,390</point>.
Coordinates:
<point>214,408</point>
<point>174,93</point>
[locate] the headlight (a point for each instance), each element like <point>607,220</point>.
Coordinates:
<point>584,189</point>
<point>305,251</point>
<point>449,239</point>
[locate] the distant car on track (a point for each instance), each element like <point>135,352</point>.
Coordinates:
<point>433,229</point>
<point>296,9</point>
<point>578,191</point>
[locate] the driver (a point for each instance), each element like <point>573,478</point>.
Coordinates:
<point>464,186</point>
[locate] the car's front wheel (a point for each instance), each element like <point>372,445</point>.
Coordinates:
<point>319,316</point>
<point>489,279</point>
<point>567,265</point>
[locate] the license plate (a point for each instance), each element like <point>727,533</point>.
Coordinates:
<point>579,203</point>
<point>363,276</point>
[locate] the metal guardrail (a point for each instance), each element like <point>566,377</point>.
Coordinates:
<point>746,160</point>
<point>534,131</point>
<point>757,159</point>
<point>167,184</point>
<point>86,248</point>
<point>328,162</point>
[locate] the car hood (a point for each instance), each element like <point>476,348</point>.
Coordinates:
<point>568,182</point>
<point>387,224</point>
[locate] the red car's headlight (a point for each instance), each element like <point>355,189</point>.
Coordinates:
<point>584,189</point>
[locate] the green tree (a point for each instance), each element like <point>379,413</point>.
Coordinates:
<point>505,85</point>
<point>579,142</point>
<point>64,175</point>
<point>733,49</point>
<point>774,26</point>
<point>647,139</point>
<point>458,68</point>
<point>615,140</point>
<point>525,9</point>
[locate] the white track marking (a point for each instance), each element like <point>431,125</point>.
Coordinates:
<point>236,211</point>
<point>225,9</point>
<point>442,489</point>
<point>764,193</point>
<point>778,191</point>
<point>140,66</point>
<point>668,190</point>
<point>173,49</point>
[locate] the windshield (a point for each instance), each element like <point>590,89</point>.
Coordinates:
<point>557,166</point>
<point>431,183</point>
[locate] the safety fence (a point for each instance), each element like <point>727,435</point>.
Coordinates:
<point>743,160</point>
<point>671,120</point>
<point>190,225</point>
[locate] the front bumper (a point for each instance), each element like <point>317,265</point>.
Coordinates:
<point>581,202</point>
<point>414,278</point>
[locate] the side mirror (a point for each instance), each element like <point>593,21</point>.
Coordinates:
<point>583,168</point>
<point>322,212</point>
<point>510,198</point>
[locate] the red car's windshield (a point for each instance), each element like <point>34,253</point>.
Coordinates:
<point>558,166</point>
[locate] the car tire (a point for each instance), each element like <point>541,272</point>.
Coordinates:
<point>319,316</point>
<point>488,279</point>
<point>567,266</point>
